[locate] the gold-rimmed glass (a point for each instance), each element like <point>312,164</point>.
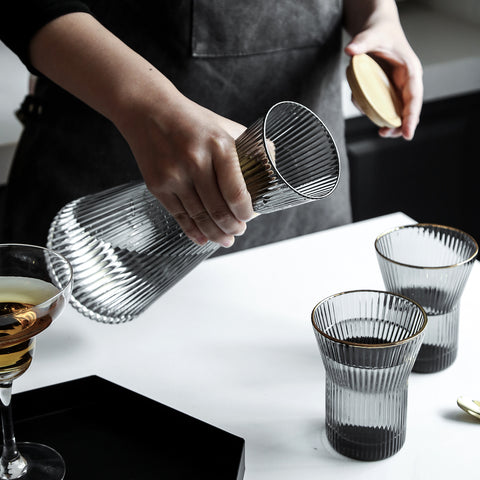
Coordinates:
<point>31,297</point>
<point>430,264</point>
<point>368,341</point>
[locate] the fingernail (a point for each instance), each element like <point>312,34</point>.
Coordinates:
<point>200,240</point>
<point>408,134</point>
<point>228,242</point>
<point>353,48</point>
<point>386,133</point>
<point>243,230</point>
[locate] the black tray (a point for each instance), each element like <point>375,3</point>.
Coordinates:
<point>104,431</point>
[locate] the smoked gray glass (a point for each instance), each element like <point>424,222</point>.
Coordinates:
<point>368,341</point>
<point>126,249</point>
<point>429,264</point>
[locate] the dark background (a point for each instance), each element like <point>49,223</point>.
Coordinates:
<point>432,178</point>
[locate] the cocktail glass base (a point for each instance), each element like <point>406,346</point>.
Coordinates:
<point>42,463</point>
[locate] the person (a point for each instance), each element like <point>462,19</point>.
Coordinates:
<point>135,89</point>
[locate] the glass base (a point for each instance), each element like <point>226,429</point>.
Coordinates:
<point>433,358</point>
<point>43,463</point>
<point>365,443</point>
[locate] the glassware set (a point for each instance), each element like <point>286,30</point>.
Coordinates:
<point>370,341</point>
<point>125,250</point>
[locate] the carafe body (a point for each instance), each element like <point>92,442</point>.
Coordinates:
<point>127,250</point>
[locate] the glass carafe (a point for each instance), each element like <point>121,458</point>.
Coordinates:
<point>127,250</point>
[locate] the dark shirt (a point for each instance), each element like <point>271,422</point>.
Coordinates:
<point>21,19</point>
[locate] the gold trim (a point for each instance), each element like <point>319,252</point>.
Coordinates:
<point>370,345</point>
<point>424,267</point>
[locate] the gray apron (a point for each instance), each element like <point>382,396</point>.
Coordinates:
<point>235,57</point>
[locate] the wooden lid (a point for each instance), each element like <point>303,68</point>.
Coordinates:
<point>373,92</point>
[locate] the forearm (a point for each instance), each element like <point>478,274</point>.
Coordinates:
<point>79,54</point>
<point>185,152</point>
<point>360,14</point>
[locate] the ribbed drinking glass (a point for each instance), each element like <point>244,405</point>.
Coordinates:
<point>127,250</point>
<point>368,341</point>
<point>431,265</point>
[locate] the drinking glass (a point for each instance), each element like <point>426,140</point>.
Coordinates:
<point>368,341</point>
<point>431,265</point>
<point>30,299</point>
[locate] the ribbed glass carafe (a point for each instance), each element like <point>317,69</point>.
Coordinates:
<point>125,248</point>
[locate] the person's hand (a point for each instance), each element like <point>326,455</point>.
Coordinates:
<point>188,160</point>
<point>379,33</point>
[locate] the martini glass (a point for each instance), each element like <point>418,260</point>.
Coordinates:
<point>30,299</point>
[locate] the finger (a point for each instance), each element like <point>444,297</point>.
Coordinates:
<point>409,125</point>
<point>210,196</point>
<point>200,216</point>
<point>412,101</point>
<point>387,132</point>
<point>231,183</point>
<point>215,205</point>
<point>177,210</point>
<point>363,42</point>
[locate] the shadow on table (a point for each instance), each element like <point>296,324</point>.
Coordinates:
<point>459,416</point>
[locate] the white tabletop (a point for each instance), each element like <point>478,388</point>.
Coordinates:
<point>232,344</point>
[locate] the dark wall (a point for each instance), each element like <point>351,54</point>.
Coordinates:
<point>432,178</point>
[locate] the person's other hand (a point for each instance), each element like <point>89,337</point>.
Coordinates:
<point>382,37</point>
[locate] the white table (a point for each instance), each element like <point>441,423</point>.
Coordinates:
<point>232,344</point>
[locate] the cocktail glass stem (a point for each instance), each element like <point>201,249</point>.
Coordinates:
<point>12,464</point>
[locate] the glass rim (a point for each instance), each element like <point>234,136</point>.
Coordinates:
<point>50,252</point>
<point>273,163</point>
<point>437,226</point>
<point>371,345</point>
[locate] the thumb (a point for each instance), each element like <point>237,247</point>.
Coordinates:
<point>361,43</point>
